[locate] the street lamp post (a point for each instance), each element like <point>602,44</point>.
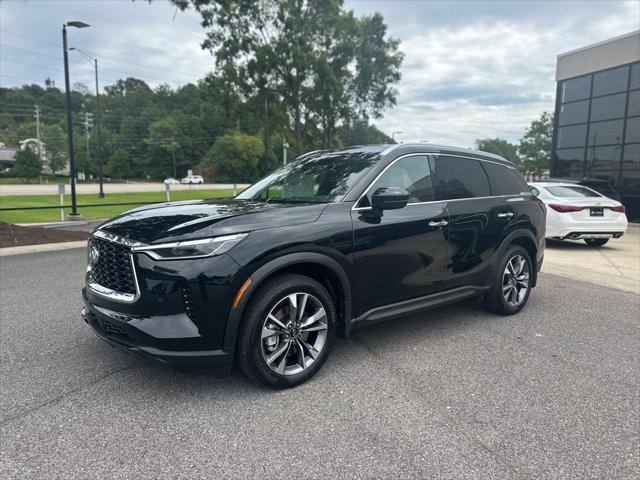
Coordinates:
<point>72,164</point>
<point>99,144</point>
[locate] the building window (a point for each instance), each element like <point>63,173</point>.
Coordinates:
<point>602,161</point>
<point>631,153</point>
<point>606,133</point>
<point>573,136</point>
<point>569,160</point>
<point>611,106</point>
<point>576,89</point>
<point>635,76</point>
<point>610,81</point>
<point>575,112</point>
<point>633,130</point>
<point>634,104</point>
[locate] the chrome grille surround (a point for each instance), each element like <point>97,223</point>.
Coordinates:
<point>113,275</point>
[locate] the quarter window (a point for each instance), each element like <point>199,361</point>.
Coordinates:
<point>461,178</point>
<point>505,180</point>
<point>411,173</point>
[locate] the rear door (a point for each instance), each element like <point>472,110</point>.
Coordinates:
<point>476,218</point>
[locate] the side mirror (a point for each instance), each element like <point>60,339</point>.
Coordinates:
<point>389,198</point>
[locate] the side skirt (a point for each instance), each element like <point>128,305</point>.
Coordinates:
<point>407,307</point>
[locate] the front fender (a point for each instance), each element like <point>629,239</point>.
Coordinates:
<point>265,271</point>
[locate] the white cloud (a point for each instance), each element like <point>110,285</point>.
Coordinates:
<point>473,69</point>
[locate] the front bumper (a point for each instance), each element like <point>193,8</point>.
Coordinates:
<point>117,330</point>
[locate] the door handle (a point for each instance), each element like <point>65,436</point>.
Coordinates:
<point>440,223</point>
<point>505,215</point>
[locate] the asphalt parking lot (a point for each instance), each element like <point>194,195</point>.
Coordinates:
<point>553,392</point>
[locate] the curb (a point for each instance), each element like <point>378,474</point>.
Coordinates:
<point>45,247</point>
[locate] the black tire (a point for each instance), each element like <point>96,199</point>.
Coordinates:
<point>495,298</point>
<point>596,242</point>
<point>250,356</point>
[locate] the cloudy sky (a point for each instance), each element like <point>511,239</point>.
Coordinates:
<point>472,69</point>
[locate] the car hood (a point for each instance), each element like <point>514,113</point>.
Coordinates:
<point>177,221</point>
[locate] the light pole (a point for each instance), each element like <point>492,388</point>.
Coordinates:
<point>99,144</point>
<point>72,164</point>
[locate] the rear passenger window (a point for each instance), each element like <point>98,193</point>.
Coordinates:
<point>505,180</point>
<point>461,178</point>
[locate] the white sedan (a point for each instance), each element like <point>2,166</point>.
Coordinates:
<point>575,212</point>
<point>189,179</point>
<point>171,181</point>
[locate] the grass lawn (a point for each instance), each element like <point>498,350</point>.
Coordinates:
<point>53,215</point>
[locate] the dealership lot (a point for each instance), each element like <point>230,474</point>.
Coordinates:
<point>453,393</point>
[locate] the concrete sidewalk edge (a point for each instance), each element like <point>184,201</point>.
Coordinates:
<point>44,247</point>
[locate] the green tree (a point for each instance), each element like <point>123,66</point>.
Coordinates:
<point>235,157</point>
<point>535,146</point>
<point>27,164</point>
<point>320,61</point>
<point>55,144</point>
<point>500,147</point>
<point>119,165</point>
<point>163,140</point>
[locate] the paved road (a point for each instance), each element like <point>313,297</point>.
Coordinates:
<point>52,188</point>
<point>456,393</point>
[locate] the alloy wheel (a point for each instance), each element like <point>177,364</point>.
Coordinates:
<point>515,280</point>
<point>294,333</point>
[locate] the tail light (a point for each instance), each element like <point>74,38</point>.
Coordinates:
<point>566,208</point>
<point>619,208</point>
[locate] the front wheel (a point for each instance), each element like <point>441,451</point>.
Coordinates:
<point>287,331</point>
<point>596,242</point>
<point>512,283</point>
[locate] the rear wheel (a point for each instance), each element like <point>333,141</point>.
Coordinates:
<point>287,332</point>
<point>512,283</point>
<point>596,242</point>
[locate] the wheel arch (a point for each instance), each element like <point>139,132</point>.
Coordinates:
<point>527,240</point>
<point>321,268</point>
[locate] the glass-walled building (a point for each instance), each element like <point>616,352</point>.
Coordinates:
<point>597,117</point>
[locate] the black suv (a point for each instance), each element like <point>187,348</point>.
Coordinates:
<point>330,242</point>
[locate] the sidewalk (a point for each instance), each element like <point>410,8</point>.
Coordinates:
<point>615,265</point>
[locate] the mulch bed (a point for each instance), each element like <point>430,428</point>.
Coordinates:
<point>14,236</point>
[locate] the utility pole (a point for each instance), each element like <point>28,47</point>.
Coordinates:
<point>88,124</point>
<point>99,144</point>
<point>285,146</point>
<point>265,167</point>
<point>37,117</point>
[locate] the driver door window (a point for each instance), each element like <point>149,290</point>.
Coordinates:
<point>411,173</point>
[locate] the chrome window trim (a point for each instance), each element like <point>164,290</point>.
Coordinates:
<point>108,292</point>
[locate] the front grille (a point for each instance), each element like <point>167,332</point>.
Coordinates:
<point>113,266</point>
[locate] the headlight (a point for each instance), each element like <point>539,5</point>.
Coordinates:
<point>207,247</point>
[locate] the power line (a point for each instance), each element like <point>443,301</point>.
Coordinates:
<point>110,59</point>
<point>4,59</point>
<point>59,45</point>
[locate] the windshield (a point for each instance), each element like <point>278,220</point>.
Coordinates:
<point>572,192</point>
<point>320,178</point>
